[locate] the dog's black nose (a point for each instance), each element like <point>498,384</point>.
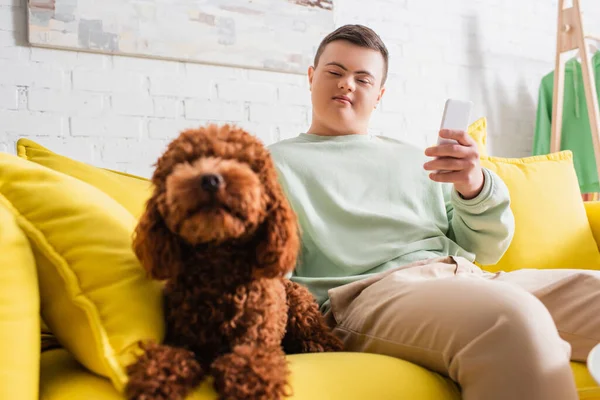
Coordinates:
<point>211,182</point>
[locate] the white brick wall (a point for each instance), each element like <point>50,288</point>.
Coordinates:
<point>119,112</point>
<point>9,98</point>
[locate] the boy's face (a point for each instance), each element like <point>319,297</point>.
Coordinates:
<point>345,88</point>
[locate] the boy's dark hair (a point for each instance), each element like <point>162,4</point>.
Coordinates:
<point>359,35</point>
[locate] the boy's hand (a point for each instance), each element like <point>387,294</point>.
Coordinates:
<point>458,163</point>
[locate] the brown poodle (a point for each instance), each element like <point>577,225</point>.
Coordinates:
<point>220,232</point>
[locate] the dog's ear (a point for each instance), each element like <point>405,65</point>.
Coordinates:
<point>279,241</point>
<point>155,246</point>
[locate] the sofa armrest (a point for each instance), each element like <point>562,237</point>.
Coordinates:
<point>592,208</point>
<point>19,313</point>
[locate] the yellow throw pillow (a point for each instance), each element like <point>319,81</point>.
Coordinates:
<point>19,313</point>
<point>478,131</point>
<point>95,296</point>
<point>128,190</point>
<point>551,225</point>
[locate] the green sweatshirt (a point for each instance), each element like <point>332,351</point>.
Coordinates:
<point>365,204</point>
<point>576,132</point>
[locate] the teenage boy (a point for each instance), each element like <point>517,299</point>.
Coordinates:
<point>388,244</point>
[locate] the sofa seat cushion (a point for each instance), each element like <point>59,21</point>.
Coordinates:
<point>586,385</point>
<point>328,376</point>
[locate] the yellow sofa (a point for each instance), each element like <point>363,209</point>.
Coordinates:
<point>71,362</point>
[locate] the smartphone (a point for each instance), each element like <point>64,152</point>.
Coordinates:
<point>457,114</point>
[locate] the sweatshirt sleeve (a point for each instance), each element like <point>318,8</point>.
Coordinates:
<point>485,224</point>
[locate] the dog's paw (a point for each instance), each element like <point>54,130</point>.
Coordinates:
<point>251,373</point>
<point>163,373</point>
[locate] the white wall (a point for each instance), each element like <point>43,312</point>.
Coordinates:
<point>119,112</point>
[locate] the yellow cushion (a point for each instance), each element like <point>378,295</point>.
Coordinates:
<point>332,376</point>
<point>551,225</point>
<point>478,131</point>
<point>19,313</point>
<point>95,297</point>
<point>128,190</point>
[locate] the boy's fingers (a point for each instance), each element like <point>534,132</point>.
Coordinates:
<point>449,150</point>
<point>460,136</point>
<point>445,164</point>
<point>446,177</point>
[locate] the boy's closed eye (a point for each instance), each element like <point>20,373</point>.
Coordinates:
<point>361,80</point>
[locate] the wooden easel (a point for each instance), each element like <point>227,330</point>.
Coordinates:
<point>571,36</point>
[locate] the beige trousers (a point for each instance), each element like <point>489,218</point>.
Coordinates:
<point>500,336</point>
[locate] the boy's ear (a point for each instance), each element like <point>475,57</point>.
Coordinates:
<point>381,92</point>
<point>311,72</point>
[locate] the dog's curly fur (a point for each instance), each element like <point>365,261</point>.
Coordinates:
<point>222,245</point>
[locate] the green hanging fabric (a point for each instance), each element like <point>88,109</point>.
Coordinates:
<point>576,133</point>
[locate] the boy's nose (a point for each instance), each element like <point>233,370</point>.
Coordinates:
<point>346,84</point>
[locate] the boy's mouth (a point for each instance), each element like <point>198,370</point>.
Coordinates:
<point>342,99</point>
